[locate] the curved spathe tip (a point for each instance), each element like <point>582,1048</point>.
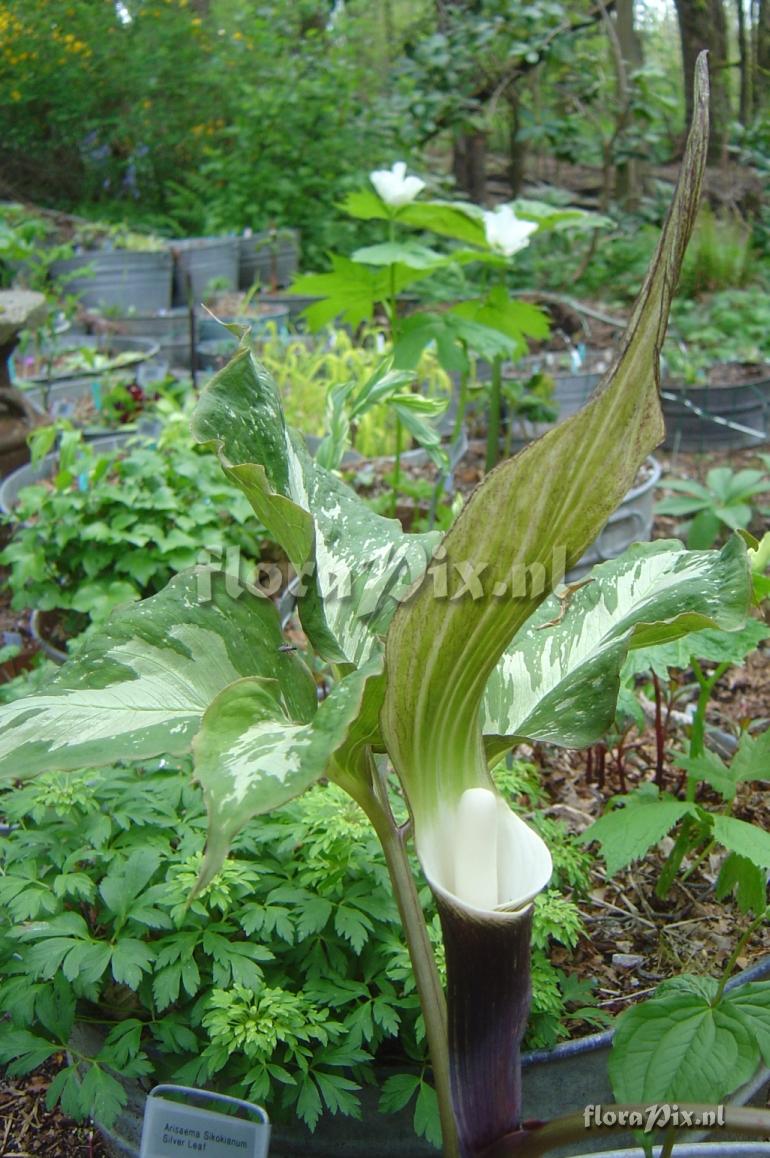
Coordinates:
<point>482,857</point>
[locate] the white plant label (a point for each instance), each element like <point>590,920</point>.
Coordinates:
<point>173,1128</point>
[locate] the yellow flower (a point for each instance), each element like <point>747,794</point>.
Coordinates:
<point>15,95</point>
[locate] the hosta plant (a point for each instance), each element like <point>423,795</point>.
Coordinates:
<point>446,651</point>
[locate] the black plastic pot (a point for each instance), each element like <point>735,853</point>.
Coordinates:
<point>715,416</point>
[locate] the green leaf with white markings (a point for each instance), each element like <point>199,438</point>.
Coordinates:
<point>251,757</point>
<point>140,688</point>
<point>355,563</point>
<point>559,679</point>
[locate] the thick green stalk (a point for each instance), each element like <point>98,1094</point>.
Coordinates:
<point>493,414</point>
<point>683,842</point>
<point>373,800</point>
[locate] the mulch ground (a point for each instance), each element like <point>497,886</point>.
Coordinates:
<point>29,1130</point>
<point>633,940</point>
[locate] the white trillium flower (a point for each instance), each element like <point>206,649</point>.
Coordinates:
<point>506,233</point>
<point>394,187</point>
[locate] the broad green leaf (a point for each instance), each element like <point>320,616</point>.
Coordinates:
<point>746,839</point>
<point>355,565</point>
<point>408,253</point>
<point>559,679</point>
<point>626,833</point>
<point>751,1002</point>
<point>752,760</point>
<point>749,883</point>
<point>452,334</point>
<point>460,220</point>
<point>140,688</point>
<point>516,319</point>
<point>251,757</point>
<point>350,291</point>
<point>21,1051</point>
<point>131,959</point>
<point>540,509</point>
<point>708,767</point>
<point>365,205</point>
<point>678,1047</point>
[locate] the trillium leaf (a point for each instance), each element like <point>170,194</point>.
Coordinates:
<point>140,687</point>
<point>251,756</point>
<point>559,679</point>
<point>355,564</point>
<point>679,1047</point>
<point>408,253</point>
<point>460,220</point>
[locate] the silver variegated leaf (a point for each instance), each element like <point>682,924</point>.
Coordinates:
<point>559,679</point>
<point>140,687</point>
<point>355,564</point>
<point>251,756</point>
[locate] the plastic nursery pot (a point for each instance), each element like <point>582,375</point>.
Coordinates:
<point>169,328</point>
<point>575,375</point>
<point>69,358</point>
<point>120,279</point>
<point>203,266</point>
<point>30,473</point>
<point>729,411</point>
<point>40,625</point>
<point>257,318</point>
<point>270,258</point>
<point>79,401</point>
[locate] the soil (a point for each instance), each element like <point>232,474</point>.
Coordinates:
<point>632,941</point>
<point>726,374</point>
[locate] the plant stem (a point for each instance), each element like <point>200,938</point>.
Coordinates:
<point>697,738</point>
<point>493,415</point>
<point>742,942</point>
<point>374,801</point>
<point>462,402</point>
<point>570,1128</point>
<point>397,467</point>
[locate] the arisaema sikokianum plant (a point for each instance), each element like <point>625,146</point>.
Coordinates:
<point>446,652</point>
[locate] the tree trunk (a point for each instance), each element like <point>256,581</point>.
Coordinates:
<point>702,25</point>
<point>469,157</point>
<point>629,177</point>
<point>762,74</point>
<point>516,147</point>
<point>744,57</point>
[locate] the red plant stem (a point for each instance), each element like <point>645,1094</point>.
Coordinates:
<point>660,735</point>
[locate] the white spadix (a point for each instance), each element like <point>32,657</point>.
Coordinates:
<point>481,855</point>
<point>476,849</point>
